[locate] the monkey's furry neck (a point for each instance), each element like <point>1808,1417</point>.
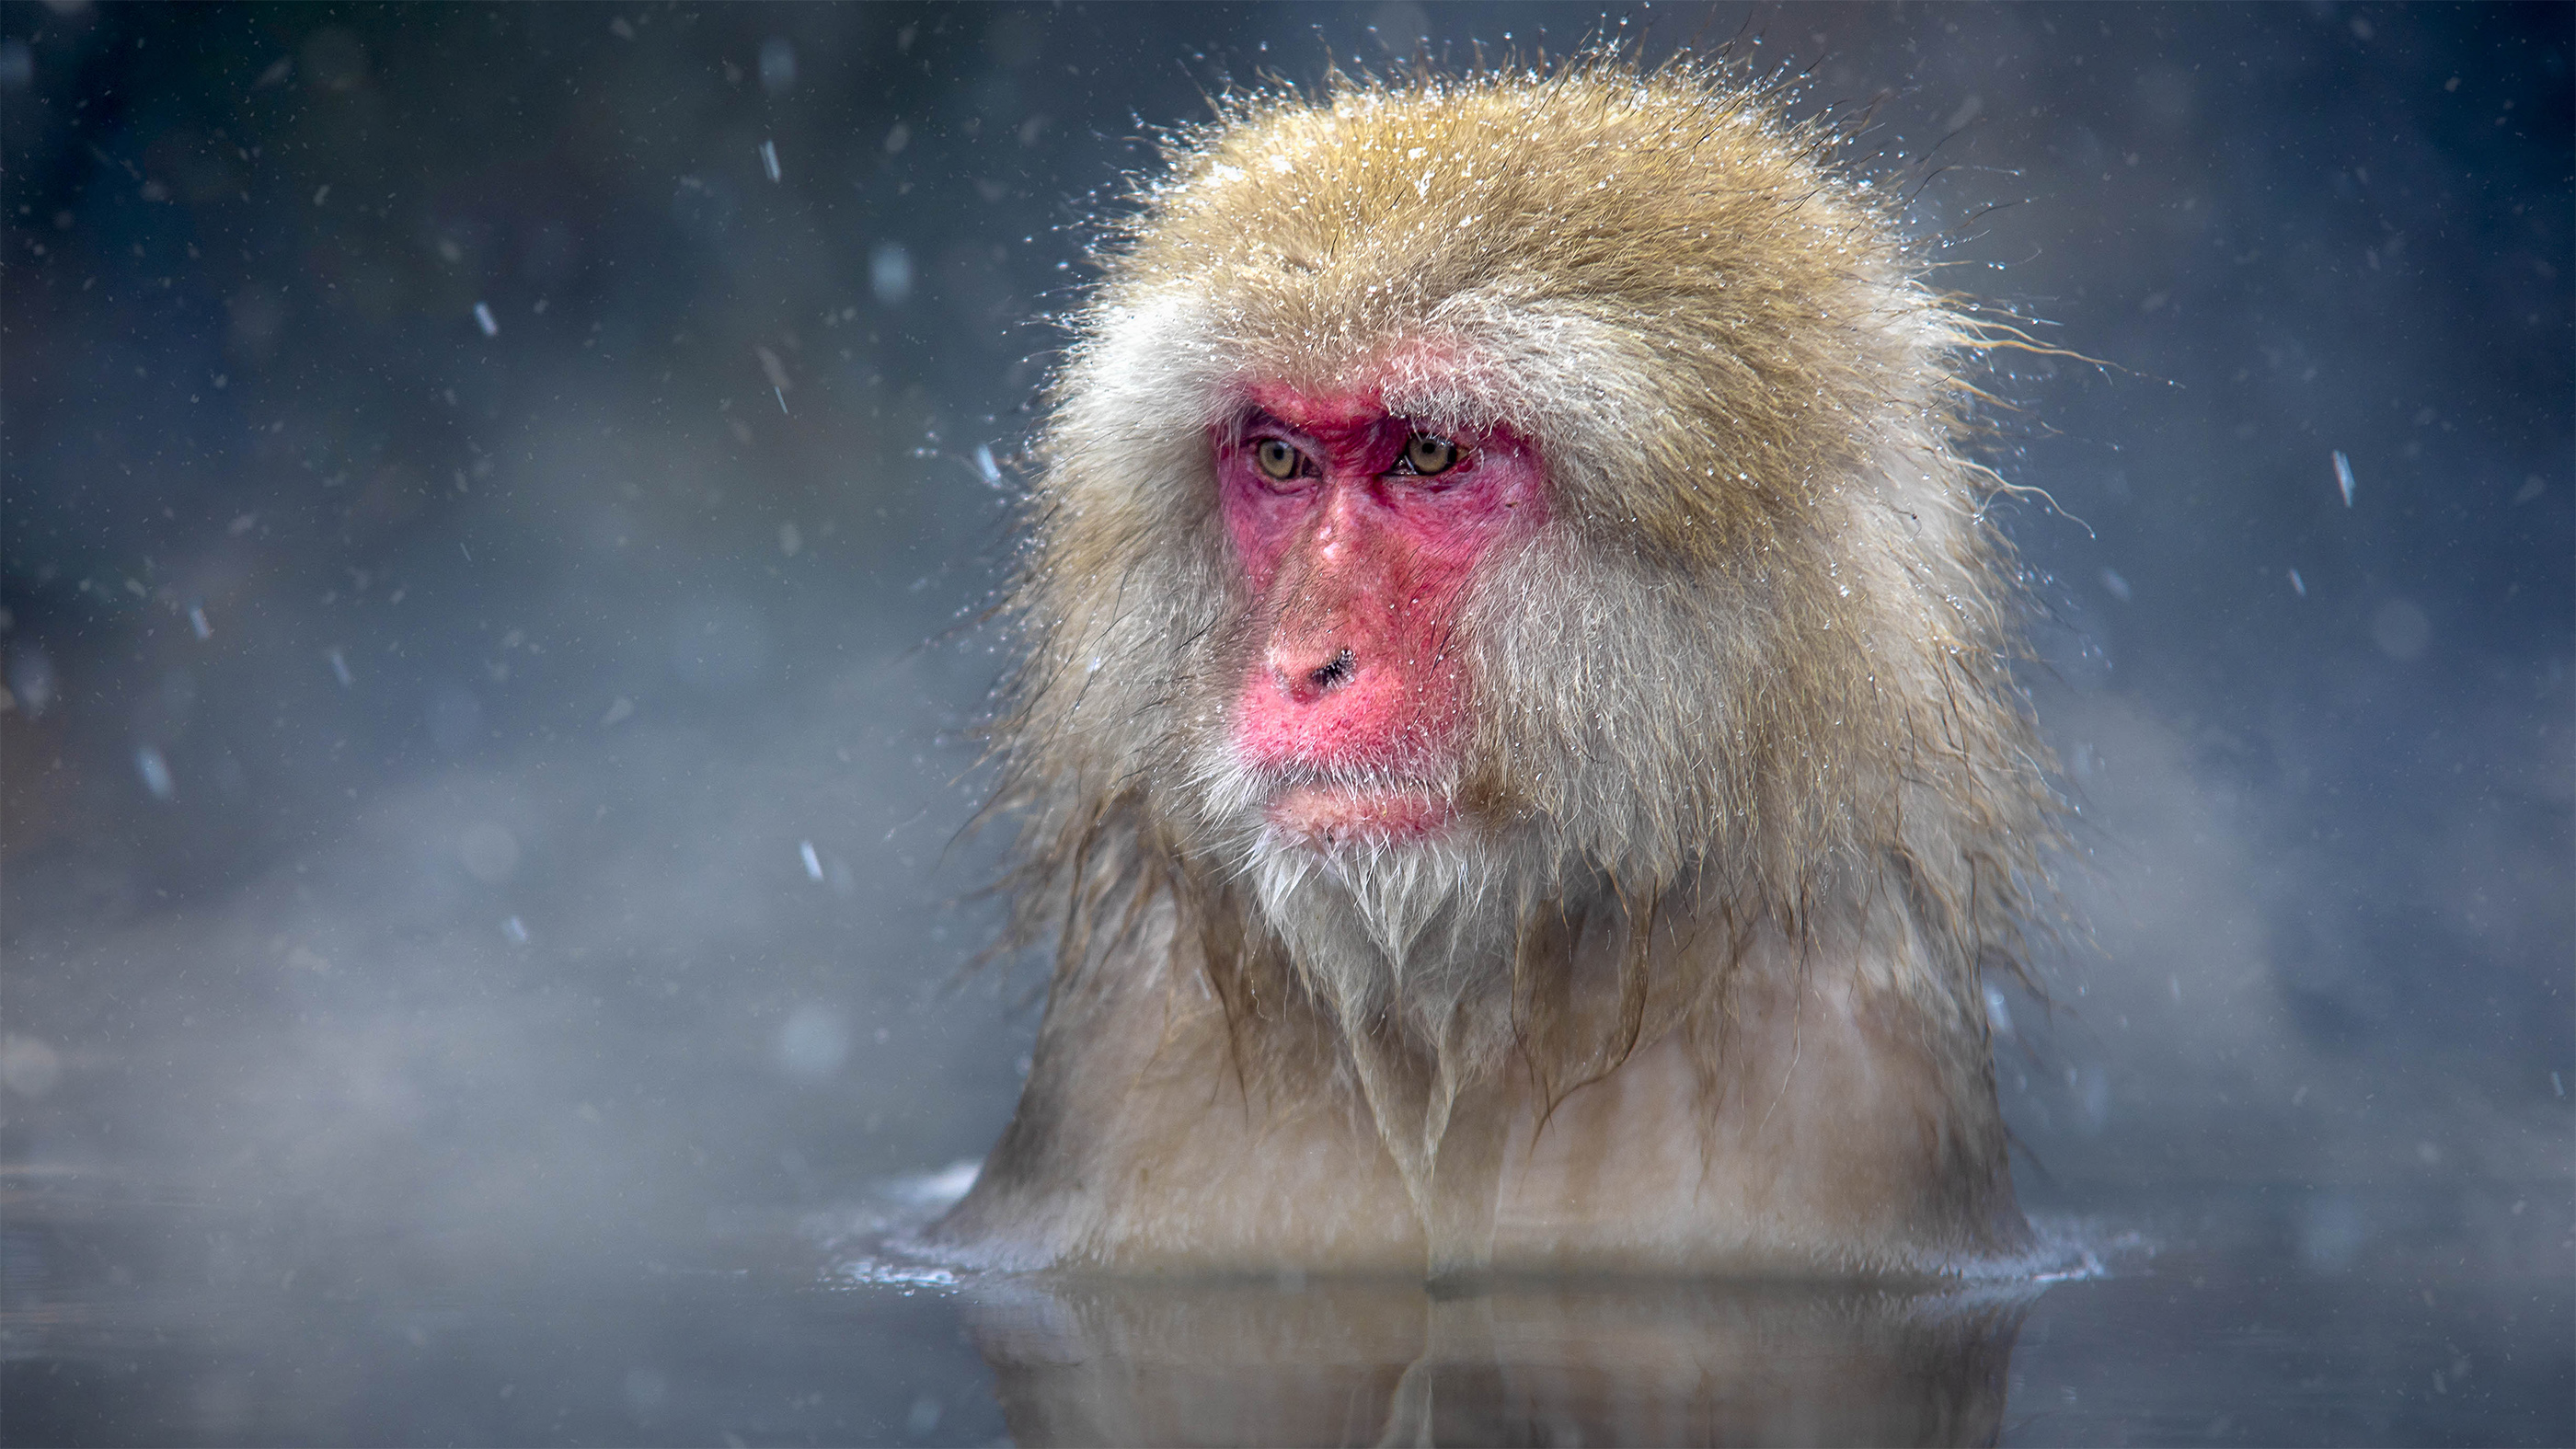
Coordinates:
<point>1409,950</point>
<point>1438,965</point>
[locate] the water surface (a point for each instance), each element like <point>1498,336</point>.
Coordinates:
<point>2236,1317</point>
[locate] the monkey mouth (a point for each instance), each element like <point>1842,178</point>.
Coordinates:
<point>1329,815</point>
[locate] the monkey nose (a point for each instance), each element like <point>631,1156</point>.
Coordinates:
<point>1309,674</point>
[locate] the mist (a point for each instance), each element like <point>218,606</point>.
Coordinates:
<point>498,510</point>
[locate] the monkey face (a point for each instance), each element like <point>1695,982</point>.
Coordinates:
<point>1358,533</point>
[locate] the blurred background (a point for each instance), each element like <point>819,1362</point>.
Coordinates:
<point>496,505</point>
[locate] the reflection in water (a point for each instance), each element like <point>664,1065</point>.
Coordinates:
<point>1139,1362</point>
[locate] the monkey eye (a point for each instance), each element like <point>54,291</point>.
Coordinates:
<point>1426,455</point>
<point>1277,460</point>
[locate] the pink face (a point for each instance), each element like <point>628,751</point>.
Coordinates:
<point>1358,533</point>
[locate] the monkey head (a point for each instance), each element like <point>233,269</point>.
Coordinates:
<point>1473,499</point>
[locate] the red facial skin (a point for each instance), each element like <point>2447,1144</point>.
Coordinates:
<point>1357,568</point>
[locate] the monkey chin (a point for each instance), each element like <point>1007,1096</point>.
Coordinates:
<point>1331,817</point>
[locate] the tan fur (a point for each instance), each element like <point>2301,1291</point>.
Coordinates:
<point>1756,800</point>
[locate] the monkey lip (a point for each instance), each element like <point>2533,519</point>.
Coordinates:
<point>1338,814</point>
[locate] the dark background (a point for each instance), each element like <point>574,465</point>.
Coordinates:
<point>490,791</point>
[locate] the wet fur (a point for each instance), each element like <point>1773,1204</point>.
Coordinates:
<point>1745,725</point>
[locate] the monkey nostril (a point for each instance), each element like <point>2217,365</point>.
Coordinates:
<point>1335,670</point>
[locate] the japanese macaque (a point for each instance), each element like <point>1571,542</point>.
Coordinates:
<point>1516,753</point>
